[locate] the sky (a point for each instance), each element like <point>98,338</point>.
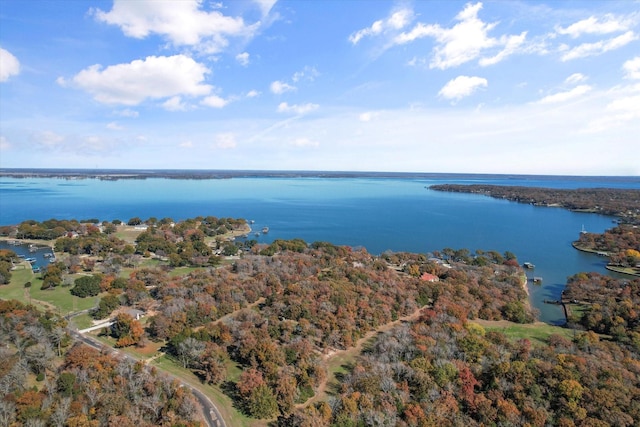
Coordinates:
<point>513,87</point>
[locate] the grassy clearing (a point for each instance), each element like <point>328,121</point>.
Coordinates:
<point>15,289</point>
<point>83,321</point>
<point>61,298</point>
<point>537,333</point>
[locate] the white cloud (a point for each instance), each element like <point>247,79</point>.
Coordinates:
<point>154,77</point>
<point>304,142</point>
<point>183,23</point>
<point>253,94</point>
<point>367,116</point>
<point>174,103</point>
<point>299,109</point>
<point>575,78</point>
<point>462,86</point>
<point>592,25</point>
<point>632,68</point>
<point>214,101</point>
<point>48,139</point>
<point>623,109</point>
<point>243,58</point>
<point>512,44</point>
<point>279,87</point>
<point>186,144</point>
<point>9,65</point>
<point>565,96</point>
<point>226,141</point>
<point>114,126</point>
<point>4,143</point>
<point>265,5</point>
<point>465,41</point>
<point>308,73</point>
<point>396,21</point>
<point>598,48</point>
<point>127,112</point>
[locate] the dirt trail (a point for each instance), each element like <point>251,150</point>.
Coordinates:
<point>321,392</point>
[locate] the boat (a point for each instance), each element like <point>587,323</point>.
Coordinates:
<point>537,280</point>
<point>31,260</point>
<point>265,230</point>
<point>583,231</point>
<point>528,265</point>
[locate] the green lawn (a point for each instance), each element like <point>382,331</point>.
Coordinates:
<point>15,289</point>
<point>537,333</point>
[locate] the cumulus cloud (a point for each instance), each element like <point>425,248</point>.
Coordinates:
<point>396,21</point>
<point>9,65</point>
<point>512,44</point>
<point>462,86</point>
<point>566,95</point>
<point>465,41</point>
<point>298,109</point>
<point>279,87</point>
<point>593,25</point>
<point>253,94</point>
<point>307,73</point>
<point>575,78</point>
<point>623,109</point>
<point>214,101</point>
<point>632,68</point>
<point>174,103</point>
<point>597,48</point>
<point>87,144</point>
<point>114,126</point>
<point>226,141</point>
<point>243,58</point>
<point>127,112</point>
<point>183,23</point>
<point>154,77</point>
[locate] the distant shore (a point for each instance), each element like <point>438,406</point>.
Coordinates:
<point>117,174</point>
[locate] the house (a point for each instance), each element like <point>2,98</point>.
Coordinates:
<point>428,277</point>
<point>135,313</point>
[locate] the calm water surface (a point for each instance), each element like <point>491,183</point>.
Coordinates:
<point>397,214</point>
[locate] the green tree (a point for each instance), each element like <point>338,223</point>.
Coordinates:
<point>87,286</point>
<point>262,403</point>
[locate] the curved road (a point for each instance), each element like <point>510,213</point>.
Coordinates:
<point>211,415</point>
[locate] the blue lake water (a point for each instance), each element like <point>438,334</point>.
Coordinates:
<point>397,214</point>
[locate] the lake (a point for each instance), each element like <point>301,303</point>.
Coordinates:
<point>380,213</point>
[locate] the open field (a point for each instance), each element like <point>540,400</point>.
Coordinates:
<point>537,332</point>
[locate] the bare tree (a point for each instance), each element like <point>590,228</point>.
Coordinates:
<point>61,413</point>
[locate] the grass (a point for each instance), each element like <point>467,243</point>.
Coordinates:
<point>15,289</point>
<point>537,333</point>
<point>83,321</point>
<point>231,415</point>
<point>61,298</point>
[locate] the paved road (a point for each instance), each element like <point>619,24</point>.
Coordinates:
<point>211,414</point>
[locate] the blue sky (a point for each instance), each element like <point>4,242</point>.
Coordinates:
<point>417,86</point>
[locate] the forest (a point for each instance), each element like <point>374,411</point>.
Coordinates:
<point>47,380</point>
<point>621,244</point>
<point>622,203</point>
<point>264,325</point>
